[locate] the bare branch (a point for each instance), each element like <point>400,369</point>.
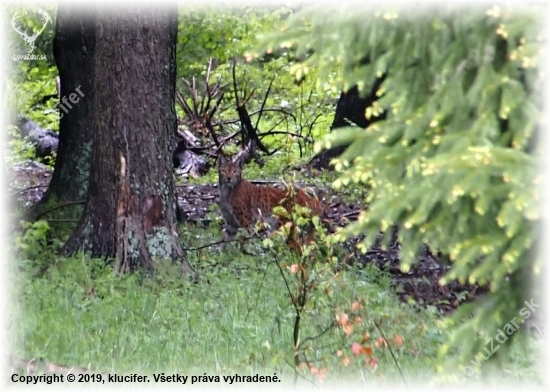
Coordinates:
<point>221,242</point>
<point>264,101</point>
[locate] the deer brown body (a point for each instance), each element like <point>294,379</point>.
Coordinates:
<point>243,204</point>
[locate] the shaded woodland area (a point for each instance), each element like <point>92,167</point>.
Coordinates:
<point>112,157</point>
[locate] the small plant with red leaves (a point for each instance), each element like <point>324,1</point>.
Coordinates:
<point>357,346</point>
<point>313,285</point>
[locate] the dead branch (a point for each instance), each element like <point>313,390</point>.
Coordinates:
<point>262,106</point>
<point>246,121</point>
<point>221,242</point>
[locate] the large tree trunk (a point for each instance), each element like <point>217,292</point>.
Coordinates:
<point>131,208</point>
<point>350,110</point>
<point>73,49</point>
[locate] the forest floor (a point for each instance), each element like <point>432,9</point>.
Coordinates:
<point>28,181</point>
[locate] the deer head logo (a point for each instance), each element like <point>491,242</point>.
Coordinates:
<point>29,40</point>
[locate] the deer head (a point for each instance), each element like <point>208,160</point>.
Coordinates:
<point>29,40</point>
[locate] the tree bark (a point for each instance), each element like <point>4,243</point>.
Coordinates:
<point>131,208</point>
<point>350,110</point>
<point>73,48</point>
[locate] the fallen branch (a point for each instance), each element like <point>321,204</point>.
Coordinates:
<point>69,203</point>
<point>221,242</point>
<point>45,141</point>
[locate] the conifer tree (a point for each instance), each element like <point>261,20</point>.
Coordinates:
<point>455,163</point>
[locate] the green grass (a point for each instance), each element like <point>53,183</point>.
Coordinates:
<point>238,319</point>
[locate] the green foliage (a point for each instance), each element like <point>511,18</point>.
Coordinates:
<point>19,149</point>
<point>30,79</point>
<point>232,34</point>
<point>25,93</point>
<point>222,34</point>
<point>204,32</point>
<point>455,161</point>
<point>34,247</point>
<point>30,20</point>
<point>33,238</point>
<point>239,319</point>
